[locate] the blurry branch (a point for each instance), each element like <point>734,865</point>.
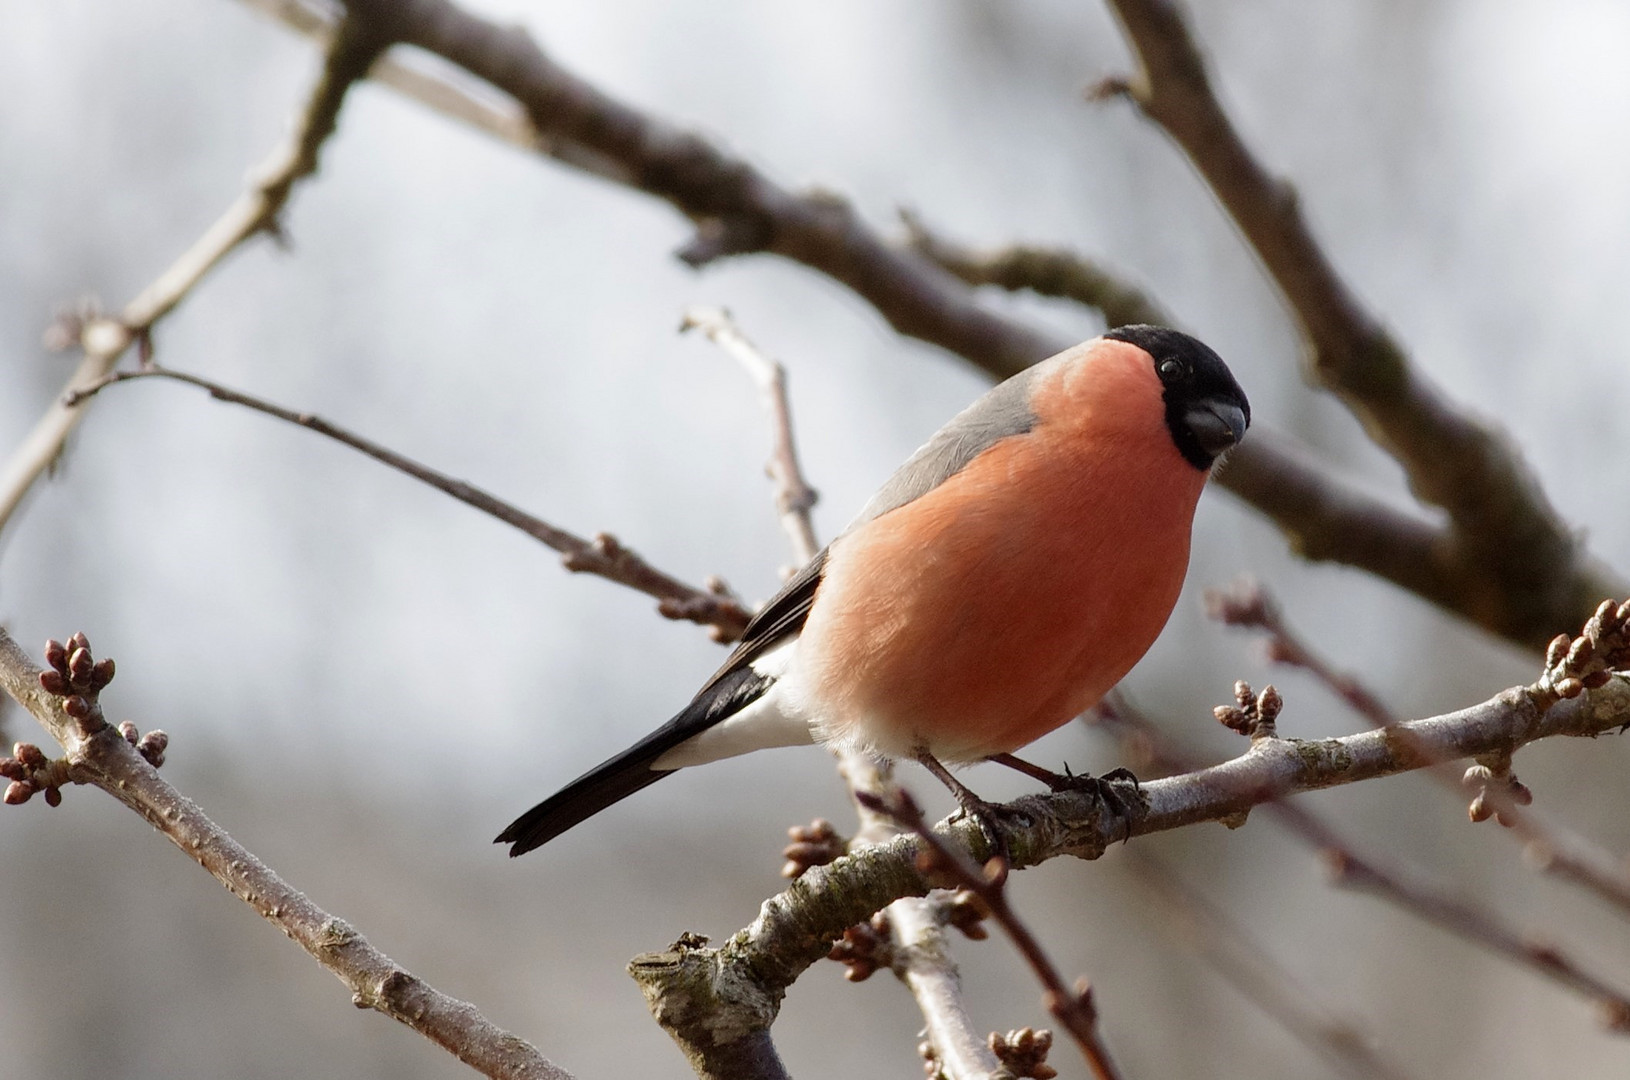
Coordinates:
<point>603,556</point>
<point>98,754</point>
<point>1248,966</point>
<point>1526,573</point>
<point>1502,578</point>
<point>1401,886</point>
<point>354,46</point>
<point>1549,847</point>
<point>743,981</point>
<point>918,948</point>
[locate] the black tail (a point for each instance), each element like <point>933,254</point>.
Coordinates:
<point>616,779</point>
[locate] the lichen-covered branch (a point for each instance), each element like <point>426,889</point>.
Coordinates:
<point>747,976</point>
<point>98,754</point>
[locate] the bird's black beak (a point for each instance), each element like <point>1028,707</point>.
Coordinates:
<point>1217,424</point>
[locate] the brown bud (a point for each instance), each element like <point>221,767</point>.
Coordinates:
<point>56,655</point>
<point>152,747</point>
<point>1557,650</point>
<point>1480,810</point>
<point>76,706</point>
<point>80,665</point>
<point>30,755</point>
<point>53,796</point>
<point>129,731</point>
<point>1244,694</point>
<point>53,682</point>
<point>1596,680</point>
<point>18,792</point>
<point>12,769</point>
<point>102,673</point>
<point>78,641</point>
<point>1569,688</point>
<point>1268,704</point>
<point>1578,656</point>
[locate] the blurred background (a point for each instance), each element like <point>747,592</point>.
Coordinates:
<point>364,680</point>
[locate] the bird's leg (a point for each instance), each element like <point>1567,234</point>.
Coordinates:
<point>982,812</point>
<point>1102,786</point>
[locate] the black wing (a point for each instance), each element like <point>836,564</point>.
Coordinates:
<point>734,686</point>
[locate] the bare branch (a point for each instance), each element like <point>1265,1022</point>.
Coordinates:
<point>747,976</point>
<point>98,754</point>
<point>603,556</point>
<point>1537,571</point>
<point>355,45</point>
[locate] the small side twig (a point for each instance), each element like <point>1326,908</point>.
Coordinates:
<point>1042,270</point>
<point>1073,1008</point>
<point>604,556</point>
<point>794,498</point>
<point>65,700</point>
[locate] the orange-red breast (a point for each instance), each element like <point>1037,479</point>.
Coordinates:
<point>1006,577</point>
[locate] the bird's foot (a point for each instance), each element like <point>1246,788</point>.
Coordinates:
<point>984,814</point>
<point>1104,787</point>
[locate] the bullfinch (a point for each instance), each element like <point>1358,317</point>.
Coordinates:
<point>1000,583</point>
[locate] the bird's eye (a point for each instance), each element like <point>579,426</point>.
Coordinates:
<point>1172,369</point>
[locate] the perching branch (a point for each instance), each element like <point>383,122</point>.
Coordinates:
<point>603,556</point>
<point>354,46</point>
<point>97,753</point>
<point>739,985</point>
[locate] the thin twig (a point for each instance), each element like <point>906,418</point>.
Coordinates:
<point>1250,968</point>
<point>1074,1008</point>
<point>1042,270</point>
<point>1414,743</point>
<point>1551,847</point>
<point>98,754</point>
<point>354,46</point>
<point>604,556</point>
<point>794,498</point>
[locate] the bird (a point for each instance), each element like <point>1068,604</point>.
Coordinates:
<point>1005,578</point>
